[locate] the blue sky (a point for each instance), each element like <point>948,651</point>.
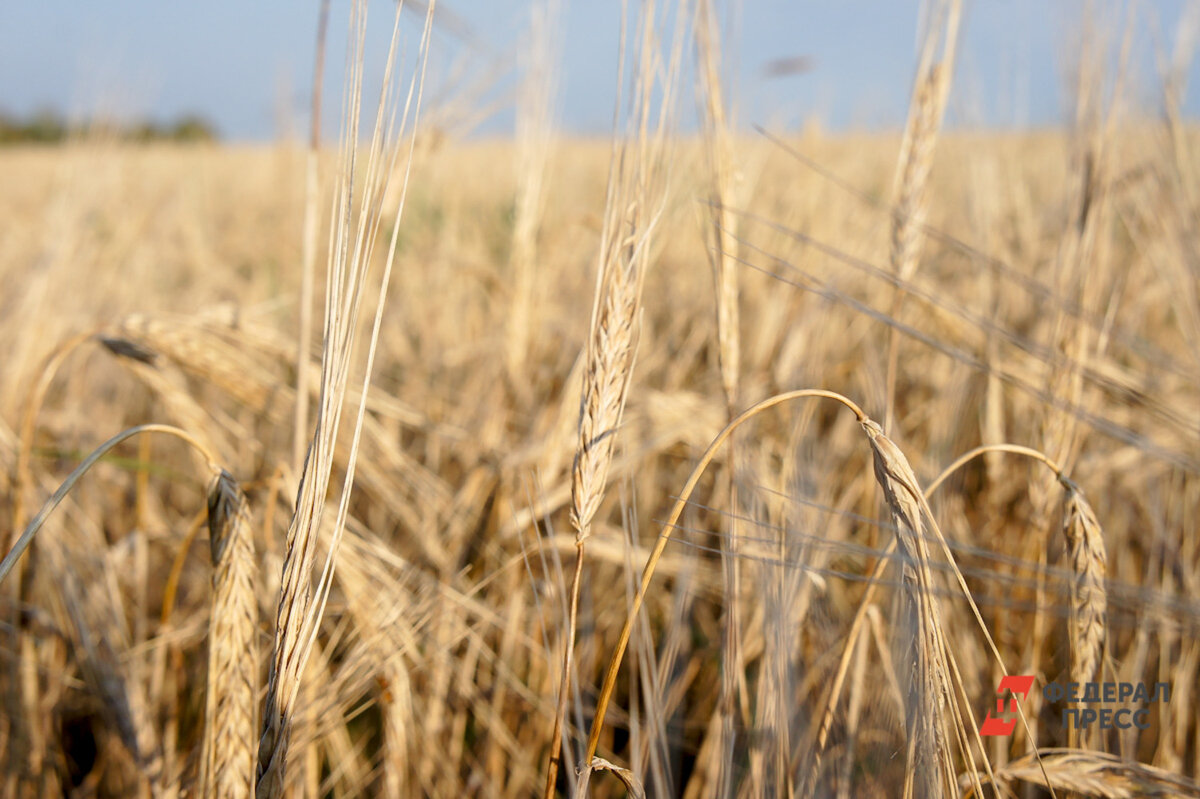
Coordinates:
<point>247,65</point>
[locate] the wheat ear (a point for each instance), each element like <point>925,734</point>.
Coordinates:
<point>300,603</point>
<point>1089,598</point>
<point>229,733</point>
<point>916,159</point>
<point>928,687</point>
<point>1096,774</point>
<point>633,206</point>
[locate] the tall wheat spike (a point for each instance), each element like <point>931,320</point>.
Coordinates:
<point>634,203</point>
<point>916,159</point>
<point>352,242</point>
<point>1089,598</point>
<point>229,734</point>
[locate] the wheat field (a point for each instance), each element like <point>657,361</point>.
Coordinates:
<point>690,463</point>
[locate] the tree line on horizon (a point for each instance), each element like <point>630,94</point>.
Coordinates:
<point>47,126</point>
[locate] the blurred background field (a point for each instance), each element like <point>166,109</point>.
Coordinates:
<point>1056,306</point>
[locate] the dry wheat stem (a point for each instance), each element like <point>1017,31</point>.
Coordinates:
<point>171,586</point>
<point>723,227</point>
<point>308,255</point>
<point>722,234</point>
<point>534,135</point>
<point>967,457</point>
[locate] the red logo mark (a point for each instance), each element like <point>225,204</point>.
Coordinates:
<point>1004,722</point>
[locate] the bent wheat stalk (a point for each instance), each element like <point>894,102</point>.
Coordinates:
<point>614,665</point>
<point>35,524</point>
<point>831,700</point>
<point>123,699</point>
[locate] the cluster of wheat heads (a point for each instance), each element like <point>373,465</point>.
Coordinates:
<point>620,554</point>
<point>232,762</point>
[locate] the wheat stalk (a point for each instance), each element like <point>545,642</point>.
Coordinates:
<point>534,136</point>
<point>123,698</point>
<point>614,664</point>
<point>721,236</point>
<point>721,233</point>
<point>308,254</point>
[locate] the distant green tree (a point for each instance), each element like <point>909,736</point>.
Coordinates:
<point>49,127</point>
<point>193,128</point>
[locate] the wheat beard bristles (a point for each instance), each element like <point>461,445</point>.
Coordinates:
<point>229,740</point>
<point>925,707</point>
<point>1089,597</point>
